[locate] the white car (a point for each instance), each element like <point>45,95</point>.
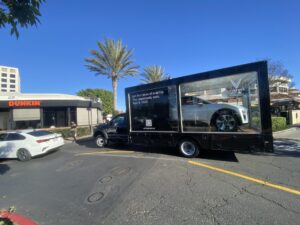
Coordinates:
<point>29,143</point>
<point>224,117</point>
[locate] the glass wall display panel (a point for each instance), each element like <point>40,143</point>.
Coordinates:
<point>225,104</point>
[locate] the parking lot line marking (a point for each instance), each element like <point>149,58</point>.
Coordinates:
<point>105,152</point>
<point>266,183</point>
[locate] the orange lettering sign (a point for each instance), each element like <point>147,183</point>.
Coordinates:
<point>23,103</point>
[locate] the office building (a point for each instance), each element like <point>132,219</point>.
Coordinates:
<point>9,80</point>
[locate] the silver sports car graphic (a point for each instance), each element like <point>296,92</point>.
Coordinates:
<point>224,117</point>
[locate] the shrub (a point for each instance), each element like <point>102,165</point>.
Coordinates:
<point>66,132</point>
<point>278,123</point>
<point>255,122</point>
<point>83,131</point>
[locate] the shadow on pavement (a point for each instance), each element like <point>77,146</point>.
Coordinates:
<point>46,154</point>
<point>286,147</point>
<point>213,155</point>
<point>3,168</point>
<point>219,155</point>
<point>283,147</point>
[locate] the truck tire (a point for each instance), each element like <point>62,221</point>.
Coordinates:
<point>23,155</point>
<point>226,121</point>
<point>100,141</point>
<point>188,148</point>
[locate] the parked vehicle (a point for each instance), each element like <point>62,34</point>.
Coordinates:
<point>226,109</point>
<point>28,143</point>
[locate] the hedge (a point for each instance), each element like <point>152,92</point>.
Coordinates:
<point>66,132</point>
<point>278,123</point>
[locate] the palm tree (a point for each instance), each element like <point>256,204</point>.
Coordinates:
<point>114,61</point>
<point>153,74</point>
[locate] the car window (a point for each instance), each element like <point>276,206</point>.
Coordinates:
<point>120,120</point>
<point>39,133</point>
<point>187,100</point>
<point>2,136</point>
<point>14,137</point>
<point>199,100</point>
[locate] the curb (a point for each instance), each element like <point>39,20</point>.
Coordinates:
<point>282,131</point>
<point>80,139</point>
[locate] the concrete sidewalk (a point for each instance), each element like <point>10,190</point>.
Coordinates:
<point>292,134</point>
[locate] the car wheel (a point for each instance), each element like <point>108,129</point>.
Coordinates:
<point>23,155</point>
<point>188,148</point>
<point>100,141</point>
<point>226,121</point>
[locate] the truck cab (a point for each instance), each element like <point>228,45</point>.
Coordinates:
<point>115,130</point>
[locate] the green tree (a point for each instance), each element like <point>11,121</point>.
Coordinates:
<point>112,60</point>
<point>21,13</point>
<point>105,96</point>
<point>153,74</point>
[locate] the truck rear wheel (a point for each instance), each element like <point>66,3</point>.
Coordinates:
<point>100,141</point>
<point>188,148</point>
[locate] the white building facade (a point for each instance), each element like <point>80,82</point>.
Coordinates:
<point>9,80</point>
<point>22,111</point>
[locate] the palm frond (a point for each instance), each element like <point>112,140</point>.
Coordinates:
<point>153,74</point>
<point>112,59</point>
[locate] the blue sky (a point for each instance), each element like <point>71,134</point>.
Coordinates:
<point>183,36</point>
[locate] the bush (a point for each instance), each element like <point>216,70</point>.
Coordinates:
<point>278,123</point>
<point>255,122</point>
<point>83,131</point>
<point>66,132</point>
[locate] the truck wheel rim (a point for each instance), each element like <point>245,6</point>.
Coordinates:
<point>100,142</point>
<point>188,148</point>
<point>225,123</point>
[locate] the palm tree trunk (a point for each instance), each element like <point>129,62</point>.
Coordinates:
<point>114,84</point>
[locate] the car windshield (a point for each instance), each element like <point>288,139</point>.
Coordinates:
<point>191,100</point>
<point>39,133</point>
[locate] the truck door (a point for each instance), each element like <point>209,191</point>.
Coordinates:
<point>118,128</point>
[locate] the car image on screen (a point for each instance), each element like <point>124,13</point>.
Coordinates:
<point>223,117</point>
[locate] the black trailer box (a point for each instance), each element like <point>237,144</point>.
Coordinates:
<point>226,109</point>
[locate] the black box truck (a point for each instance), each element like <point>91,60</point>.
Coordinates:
<point>225,109</point>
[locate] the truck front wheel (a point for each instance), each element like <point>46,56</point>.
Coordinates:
<point>188,148</point>
<point>100,141</point>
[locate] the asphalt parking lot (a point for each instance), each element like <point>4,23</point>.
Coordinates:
<point>79,184</point>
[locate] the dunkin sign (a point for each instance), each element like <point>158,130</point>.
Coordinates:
<point>24,103</point>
